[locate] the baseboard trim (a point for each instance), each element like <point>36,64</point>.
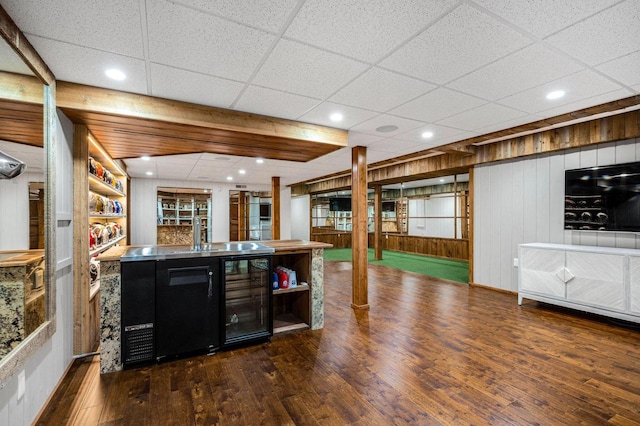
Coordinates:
<point>499,290</point>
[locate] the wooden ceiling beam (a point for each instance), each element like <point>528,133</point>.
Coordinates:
<point>121,121</point>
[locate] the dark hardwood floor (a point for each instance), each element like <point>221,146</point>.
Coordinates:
<point>429,352</point>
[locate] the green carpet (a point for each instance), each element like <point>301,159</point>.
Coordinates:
<point>448,269</point>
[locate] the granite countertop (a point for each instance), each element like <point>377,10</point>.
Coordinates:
<point>19,257</point>
<point>115,253</point>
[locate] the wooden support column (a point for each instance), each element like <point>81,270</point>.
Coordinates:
<point>360,296</point>
<point>471,230</point>
<point>81,321</point>
<point>377,208</point>
<point>243,217</point>
<point>275,207</point>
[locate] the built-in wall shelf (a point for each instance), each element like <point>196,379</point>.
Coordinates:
<point>104,247</point>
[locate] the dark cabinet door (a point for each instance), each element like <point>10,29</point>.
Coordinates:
<point>187,306</point>
<point>138,295</point>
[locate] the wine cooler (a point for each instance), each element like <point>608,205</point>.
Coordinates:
<point>247,300</point>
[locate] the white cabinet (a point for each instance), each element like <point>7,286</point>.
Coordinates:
<point>600,280</point>
<point>634,283</point>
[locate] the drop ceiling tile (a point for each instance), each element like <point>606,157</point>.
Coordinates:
<point>351,116</point>
<point>274,103</point>
<point>581,85</point>
<point>482,116</point>
<point>11,62</point>
<point>542,18</point>
<point>403,124</point>
<point>187,86</point>
<point>350,27</point>
<point>529,67</point>
<point>525,119</point>
<point>395,146</point>
<point>461,42</point>
<point>184,38</point>
<point>266,15</point>
<point>376,156</point>
<point>63,60</point>
<point>380,90</point>
<point>587,42</point>
<point>625,69</point>
<point>362,139</point>
<point>436,105</point>
<point>182,159</point>
<point>112,26</point>
<point>587,102</point>
<point>439,133</point>
<point>296,68</point>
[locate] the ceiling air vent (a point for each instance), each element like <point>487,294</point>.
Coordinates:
<point>241,186</point>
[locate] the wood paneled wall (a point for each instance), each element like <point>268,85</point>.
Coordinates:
<point>440,247</point>
<point>522,201</point>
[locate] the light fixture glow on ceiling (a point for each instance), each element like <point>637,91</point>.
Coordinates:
<point>115,74</point>
<point>229,177</point>
<point>242,171</point>
<point>556,94</point>
<point>259,161</point>
<point>387,129</point>
<point>149,173</point>
<point>145,158</point>
<point>336,116</point>
<point>427,135</point>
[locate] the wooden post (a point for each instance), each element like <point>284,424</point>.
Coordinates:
<point>377,219</point>
<point>81,321</point>
<point>471,230</point>
<point>360,297</point>
<point>243,217</point>
<point>275,207</point>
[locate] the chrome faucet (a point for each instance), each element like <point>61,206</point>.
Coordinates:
<point>197,232</point>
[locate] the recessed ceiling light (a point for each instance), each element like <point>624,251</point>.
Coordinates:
<point>115,74</point>
<point>206,190</point>
<point>387,129</point>
<point>441,180</point>
<point>336,116</point>
<point>556,94</point>
<point>259,161</point>
<point>149,173</point>
<point>145,158</point>
<point>427,135</point>
<point>242,171</point>
<point>229,177</point>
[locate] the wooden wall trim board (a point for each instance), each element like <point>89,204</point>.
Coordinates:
<point>81,321</point>
<point>488,287</point>
<point>360,286</point>
<point>275,208</point>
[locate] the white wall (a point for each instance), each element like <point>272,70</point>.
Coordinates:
<point>285,213</point>
<point>44,370</point>
<point>14,211</point>
<point>144,201</point>
<point>522,201</point>
<point>300,226</point>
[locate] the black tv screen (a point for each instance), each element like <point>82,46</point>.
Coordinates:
<point>265,211</point>
<point>388,206</point>
<point>340,204</point>
<point>605,198</point>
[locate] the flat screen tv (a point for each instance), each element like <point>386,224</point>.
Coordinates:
<point>340,204</point>
<point>265,211</point>
<point>605,198</point>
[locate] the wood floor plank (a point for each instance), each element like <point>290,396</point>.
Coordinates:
<point>428,352</point>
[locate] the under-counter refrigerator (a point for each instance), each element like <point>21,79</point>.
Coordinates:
<point>246,296</point>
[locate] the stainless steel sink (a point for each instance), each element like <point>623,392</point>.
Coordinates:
<point>207,250</point>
